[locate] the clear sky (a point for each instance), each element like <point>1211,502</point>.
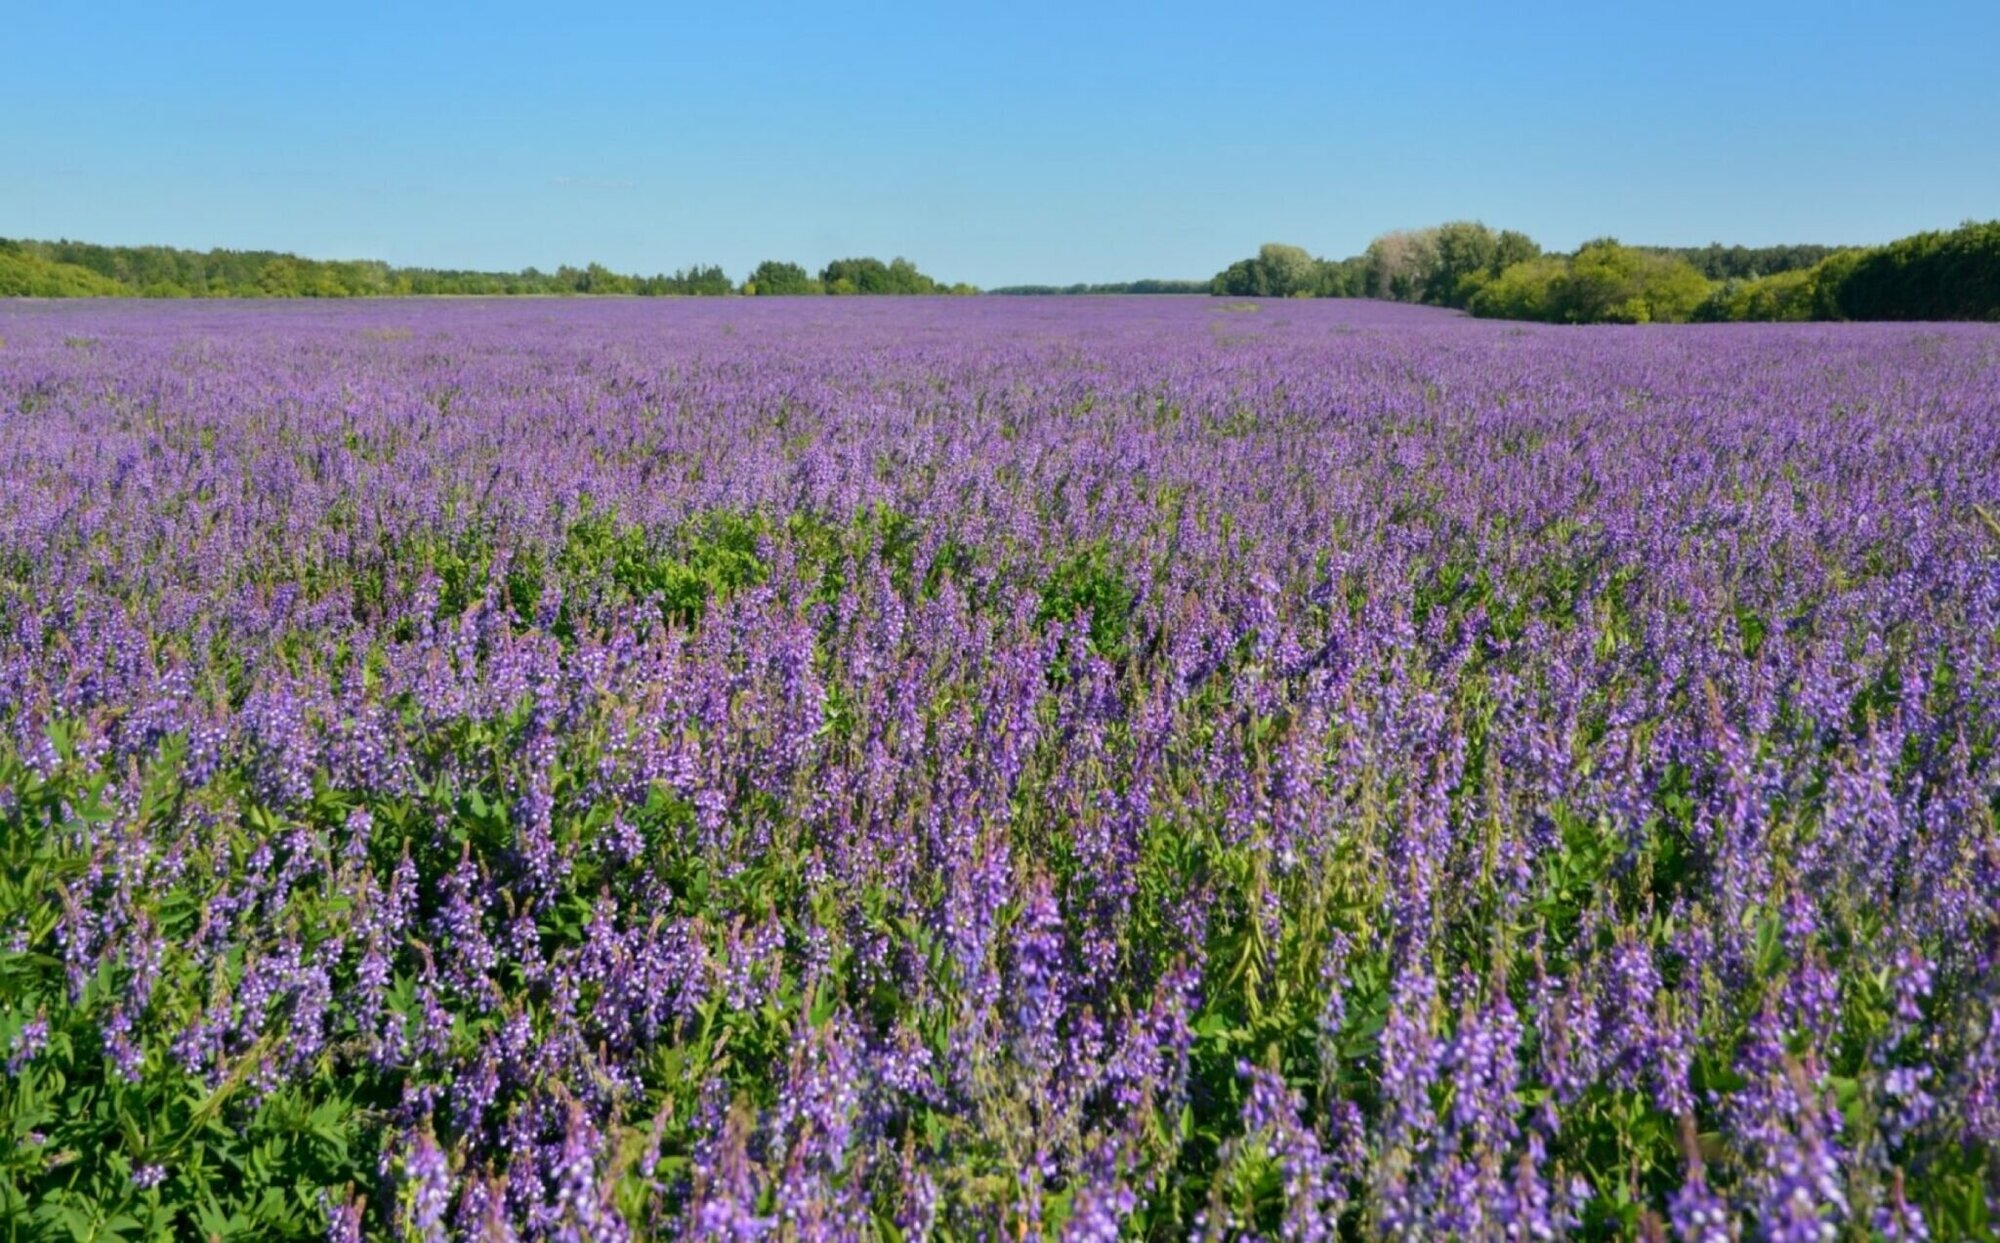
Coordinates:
<point>997,143</point>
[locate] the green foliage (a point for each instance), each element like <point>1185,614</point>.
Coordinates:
<point>1463,257</point>
<point>1399,264</point>
<point>76,269</point>
<point>1942,275</point>
<point>1445,265</point>
<point>872,276</point>
<point>1291,269</point>
<point>235,1162</point>
<point>1278,271</point>
<point>1512,247</point>
<point>1785,296</point>
<point>1088,585</point>
<point>1610,283</point>
<point>1238,280</point>
<point>713,556</point>
<point>1526,290</point>
<point>704,282</point>
<point>1465,253</point>
<point>1829,278</point>
<point>1953,275</point>
<point>596,278</point>
<point>1939,275</point>
<point>66,269</point>
<point>164,271</point>
<point>1342,278</point>
<point>1603,282</point>
<point>31,276</point>
<point>1746,263</point>
<point>775,278</point>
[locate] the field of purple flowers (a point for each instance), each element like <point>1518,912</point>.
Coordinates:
<point>993,769</point>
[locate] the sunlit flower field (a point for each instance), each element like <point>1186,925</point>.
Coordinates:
<point>991,769</point>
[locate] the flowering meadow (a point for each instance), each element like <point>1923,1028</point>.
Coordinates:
<point>994,769</point>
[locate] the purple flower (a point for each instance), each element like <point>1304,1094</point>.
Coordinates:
<point>425,1181</point>
<point>28,1044</point>
<point>343,1220</point>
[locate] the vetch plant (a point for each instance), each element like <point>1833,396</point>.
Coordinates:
<point>1013,768</point>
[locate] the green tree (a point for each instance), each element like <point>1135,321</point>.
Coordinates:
<point>1939,275</point>
<point>1781,296</point>
<point>775,278</point>
<point>24,275</point>
<point>1830,279</point>
<point>1278,271</point>
<point>1512,247</point>
<point>1340,278</point>
<point>283,277</point>
<point>1525,290</point>
<point>905,279</point>
<point>1464,253</point>
<point>704,281</point>
<point>855,276</point>
<point>872,276</point>
<point>1399,264</point>
<point>1610,283</point>
<point>1241,279</point>
<point>1292,270</point>
<point>1746,263</point>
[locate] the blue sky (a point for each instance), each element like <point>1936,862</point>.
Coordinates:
<point>995,143</point>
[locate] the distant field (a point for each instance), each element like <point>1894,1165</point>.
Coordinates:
<point>994,768</point>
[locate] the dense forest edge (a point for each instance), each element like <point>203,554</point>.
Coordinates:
<point>1504,275</point>
<point>1498,274</point>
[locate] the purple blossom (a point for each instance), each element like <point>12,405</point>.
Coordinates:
<point>28,1044</point>
<point>424,1181</point>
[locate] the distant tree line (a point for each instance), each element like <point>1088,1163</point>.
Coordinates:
<point>1501,274</point>
<point>1444,265</point>
<point>1505,275</point>
<point>1745,263</point>
<point>846,276</point>
<point>1115,287</point>
<point>66,269</point>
